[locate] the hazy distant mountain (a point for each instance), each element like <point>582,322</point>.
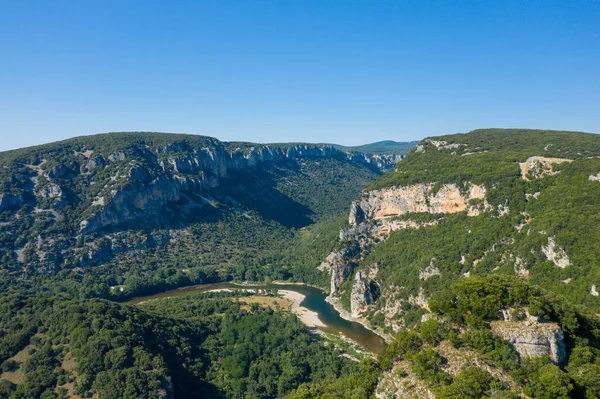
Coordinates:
<point>382,147</point>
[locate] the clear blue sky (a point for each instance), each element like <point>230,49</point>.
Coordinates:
<point>327,71</point>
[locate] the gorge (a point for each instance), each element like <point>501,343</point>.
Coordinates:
<point>473,259</point>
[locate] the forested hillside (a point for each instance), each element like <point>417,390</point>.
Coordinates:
<point>124,213</point>
<point>201,346</point>
<point>543,347</point>
<point>516,202</point>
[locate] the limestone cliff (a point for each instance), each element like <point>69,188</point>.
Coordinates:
<point>538,167</point>
<point>533,339</point>
<point>373,218</point>
<point>149,189</point>
<point>143,191</point>
<point>447,178</point>
<point>364,293</point>
<point>555,254</point>
<point>397,201</point>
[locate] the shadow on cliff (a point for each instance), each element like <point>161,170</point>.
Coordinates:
<point>257,191</point>
<point>253,190</point>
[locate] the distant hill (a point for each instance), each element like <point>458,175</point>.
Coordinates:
<point>382,147</point>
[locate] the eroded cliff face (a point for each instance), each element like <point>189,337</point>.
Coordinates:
<point>538,167</point>
<point>359,239</point>
<point>556,254</point>
<point>175,171</point>
<point>95,200</point>
<point>134,201</point>
<point>374,217</point>
<point>364,291</point>
<point>397,201</point>
<point>533,339</point>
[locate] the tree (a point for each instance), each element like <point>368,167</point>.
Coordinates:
<point>6,389</point>
<point>471,382</point>
<point>549,382</point>
<point>9,365</point>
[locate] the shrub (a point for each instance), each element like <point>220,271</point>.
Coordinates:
<point>9,365</point>
<point>549,382</point>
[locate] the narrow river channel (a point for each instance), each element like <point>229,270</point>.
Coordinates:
<point>314,300</point>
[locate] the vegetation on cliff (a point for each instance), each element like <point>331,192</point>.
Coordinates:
<point>492,296</point>
<point>456,353</point>
<point>148,211</point>
<point>538,219</point>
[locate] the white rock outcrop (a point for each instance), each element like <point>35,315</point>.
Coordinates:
<point>51,190</point>
<point>430,271</point>
<point>556,254</point>
<point>539,167</point>
<point>444,145</point>
<point>595,177</point>
<point>362,294</point>
<point>397,201</point>
<point>531,339</point>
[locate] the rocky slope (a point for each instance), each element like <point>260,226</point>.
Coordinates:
<point>180,170</point>
<point>490,201</point>
<point>479,254</point>
<point>122,197</point>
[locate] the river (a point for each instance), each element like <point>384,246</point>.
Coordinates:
<point>314,300</point>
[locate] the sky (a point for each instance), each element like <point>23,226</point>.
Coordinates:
<point>347,72</point>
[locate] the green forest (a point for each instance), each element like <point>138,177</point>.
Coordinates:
<point>205,345</point>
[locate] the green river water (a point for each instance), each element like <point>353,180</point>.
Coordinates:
<point>314,300</point>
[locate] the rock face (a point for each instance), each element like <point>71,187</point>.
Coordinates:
<point>430,271</point>
<point>556,254</point>
<point>51,190</point>
<point>184,170</point>
<point>539,167</point>
<point>133,202</point>
<point>371,220</point>
<point>532,339</point>
<point>359,239</point>
<point>220,162</point>
<point>364,293</point>
<point>396,201</point>
<point>340,265</point>
<point>150,190</point>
